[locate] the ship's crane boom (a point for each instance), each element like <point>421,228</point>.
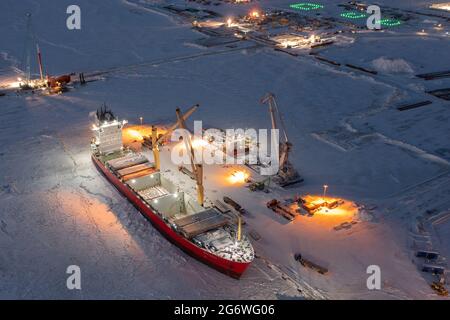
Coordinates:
<point>197,169</point>
<point>156,141</point>
<point>184,117</point>
<point>286,145</point>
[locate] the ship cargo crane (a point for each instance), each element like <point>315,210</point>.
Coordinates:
<point>197,169</point>
<point>287,175</point>
<point>156,141</point>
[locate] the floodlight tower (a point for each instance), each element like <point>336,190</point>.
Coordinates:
<point>28,44</point>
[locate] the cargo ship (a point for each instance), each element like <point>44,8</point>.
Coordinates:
<point>203,232</point>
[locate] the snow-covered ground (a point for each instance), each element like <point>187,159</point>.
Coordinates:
<point>57,210</point>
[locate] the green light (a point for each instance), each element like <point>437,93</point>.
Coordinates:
<point>306,6</point>
<point>353,15</point>
<point>390,22</point>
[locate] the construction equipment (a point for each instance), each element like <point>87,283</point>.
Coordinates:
<point>260,185</point>
<point>234,204</point>
<point>427,254</point>
<point>287,175</point>
<point>309,264</point>
<point>433,268</point>
<point>313,206</point>
<point>345,225</point>
<point>281,209</point>
<point>54,84</point>
<point>439,288</point>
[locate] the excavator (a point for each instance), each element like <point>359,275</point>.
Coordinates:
<point>287,175</point>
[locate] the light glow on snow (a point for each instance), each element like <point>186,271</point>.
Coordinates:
<point>238,177</point>
<point>346,208</point>
<point>15,84</point>
<point>134,134</point>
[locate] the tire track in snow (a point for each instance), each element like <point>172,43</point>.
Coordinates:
<point>302,286</point>
<point>158,62</point>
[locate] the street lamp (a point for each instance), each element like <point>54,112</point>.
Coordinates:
<point>325,187</point>
<point>142,119</point>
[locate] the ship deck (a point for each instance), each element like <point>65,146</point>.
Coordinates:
<point>206,227</point>
<point>153,193</point>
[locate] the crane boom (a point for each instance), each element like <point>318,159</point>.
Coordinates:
<point>274,111</point>
<point>287,174</point>
<point>156,141</point>
<point>184,117</point>
<point>280,116</point>
<point>285,146</point>
<point>197,169</point>
<point>187,141</point>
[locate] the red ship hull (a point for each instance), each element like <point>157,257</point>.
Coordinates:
<point>231,268</point>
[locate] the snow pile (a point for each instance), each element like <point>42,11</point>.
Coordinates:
<point>386,65</point>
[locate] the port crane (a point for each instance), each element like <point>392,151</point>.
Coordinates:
<point>287,175</point>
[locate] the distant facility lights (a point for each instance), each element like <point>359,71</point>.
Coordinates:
<point>325,187</point>
<point>390,22</point>
<point>353,15</point>
<point>255,14</point>
<point>441,6</point>
<point>306,6</point>
<point>360,15</point>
